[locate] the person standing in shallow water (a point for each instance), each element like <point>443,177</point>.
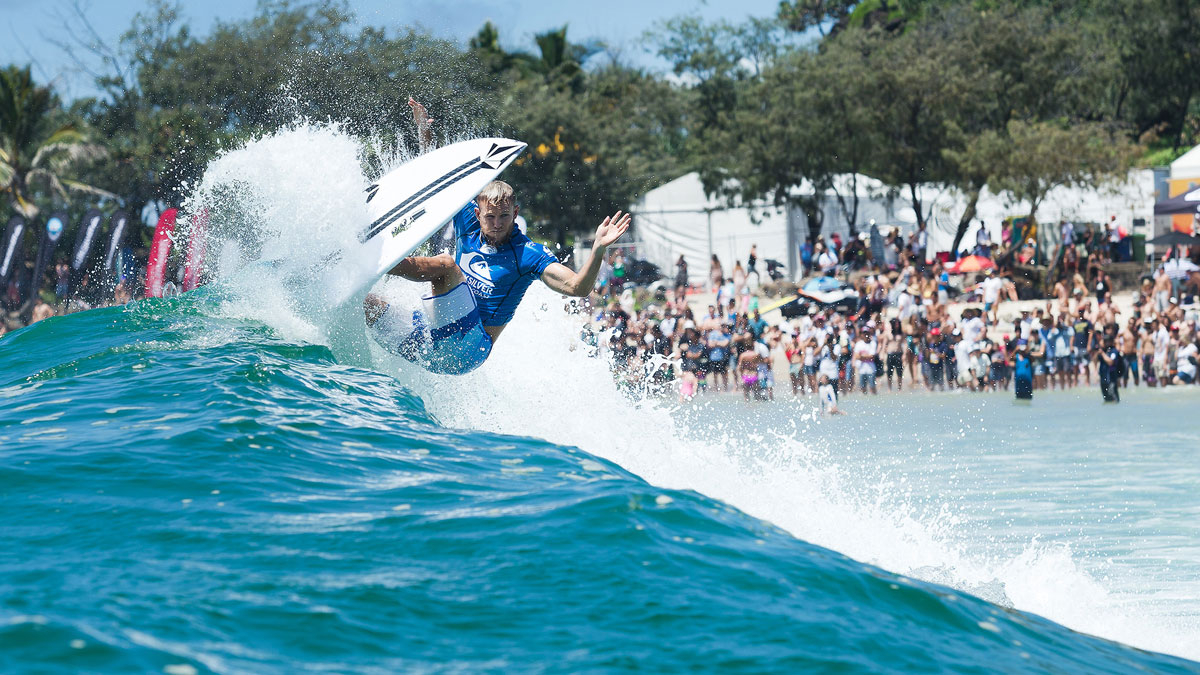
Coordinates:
<point>1023,373</point>
<point>1108,366</point>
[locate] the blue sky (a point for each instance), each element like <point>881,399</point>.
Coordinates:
<point>27,27</point>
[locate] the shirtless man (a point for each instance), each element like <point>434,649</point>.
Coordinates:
<point>894,348</point>
<point>476,291</point>
<point>1127,344</point>
<point>1162,291</point>
<point>1063,296</point>
<point>1146,350</point>
<point>41,311</point>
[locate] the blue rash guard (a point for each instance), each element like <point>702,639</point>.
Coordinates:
<point>497,276</point>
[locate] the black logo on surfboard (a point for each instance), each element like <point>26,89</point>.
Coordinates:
<point>496,156</point>
<point>405,222</point>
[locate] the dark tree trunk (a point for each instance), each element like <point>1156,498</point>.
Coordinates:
<point>815,217</point>
<point>850,212</point>
<point>916,203</point>
<point>965,221</point>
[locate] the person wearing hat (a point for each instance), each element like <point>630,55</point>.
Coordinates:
<point>1174,312</point>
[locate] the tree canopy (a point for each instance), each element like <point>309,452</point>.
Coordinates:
<point>1021,95</point>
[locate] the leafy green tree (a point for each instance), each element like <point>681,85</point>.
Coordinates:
<point>808,123</point>
<point>1017,63</point>
<point>174,100</point>
<point>802,15</point>
<point>1153,84</point>
<point>1029,159</point>
<point>594,151</point>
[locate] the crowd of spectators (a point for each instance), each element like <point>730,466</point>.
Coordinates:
<point>70,294</point>
<point>914,324</point>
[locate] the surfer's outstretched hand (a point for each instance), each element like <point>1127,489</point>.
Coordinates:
<point>612,228</point>
<point>424,123</point>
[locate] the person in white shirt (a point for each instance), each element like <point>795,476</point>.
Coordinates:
<point>972,327</point>
<point>1185,363</point>
<point>962,357</point>
<point>1162,345</point>
<point>1026,325</point>
<point>864,361</point>
<point>991,287</point>
<point>1068,233</point>
<point>827,261</point>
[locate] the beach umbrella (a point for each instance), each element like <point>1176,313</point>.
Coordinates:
<point>1187,202</point>
<point>1179,268</point>
<point>1175,238</point>
<point>971,263</point>
<point>823,285</point>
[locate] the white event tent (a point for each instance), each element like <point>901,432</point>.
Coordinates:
<point>678,218</point>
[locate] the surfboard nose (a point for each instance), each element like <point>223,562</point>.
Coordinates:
<point>501,152</point>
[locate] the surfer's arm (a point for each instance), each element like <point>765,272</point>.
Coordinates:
<point>560,278</point>
<point>424,125</point>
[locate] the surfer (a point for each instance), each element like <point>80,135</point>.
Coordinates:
<point>475,291</point>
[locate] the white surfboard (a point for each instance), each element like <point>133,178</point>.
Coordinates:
<point>412,203</point>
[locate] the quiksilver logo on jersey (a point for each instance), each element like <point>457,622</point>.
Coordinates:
<point>477,272</point>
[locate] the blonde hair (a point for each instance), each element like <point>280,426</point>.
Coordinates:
<point>496,192</point>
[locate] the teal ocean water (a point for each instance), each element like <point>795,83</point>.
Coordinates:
<point>186,490</point>
<point>234,480</point>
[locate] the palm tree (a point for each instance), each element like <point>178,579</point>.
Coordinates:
<point>37,148</point>
<point>558,60</point>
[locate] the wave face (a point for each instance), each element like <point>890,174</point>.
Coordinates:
<point>233,480</point>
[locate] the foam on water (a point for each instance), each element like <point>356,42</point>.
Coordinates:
<point>297,195</point>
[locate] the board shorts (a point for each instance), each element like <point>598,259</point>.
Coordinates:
<point>1162,371</point>
<point>444,336</point>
